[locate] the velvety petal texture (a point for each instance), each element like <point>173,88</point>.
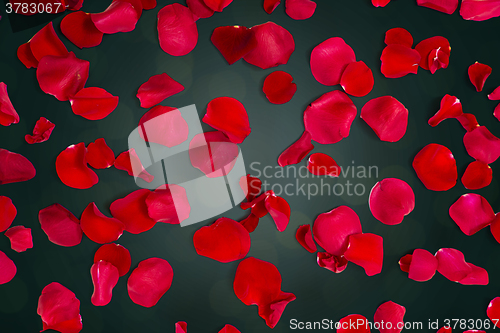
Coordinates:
<point>115,254</point>
<point>436,167</point>
<point>427,46</point>
<point>98,227</point>
<point>478,73</point>
<point>367,251</point>
<point>229,116</point>
<point>129,161</point>
<point>168,204</point>
<point>177,29</point>
<point>213,153</point>
<point>233,42</point>
<point>297,151</point>
<point>72,168</point>
<point>399,60</point>
<point>270,5</point>
<point>93,103</point>
<point>387,116</point>
<point>471,212</point>
<point>8,269</point>
<point>79,28</point>
<point>42,131</point>
<point>158,88</point>
<point>279,87</point>
<point>300,9</point>
<point>199,9</point>
<point>329,60</point>
<point>279,209</point>
<point>99,155</point>
<point>120,16</point>
<point>8,114</point>
<point>482,145</point>
<point>59,309</point>
<point>104,278</point>
<point>20,238</point>
<point>422,265</point>
<point>477,175</point>
<point>357,79</point>
<point>391,199</point>
<point>398,36</point>
<point>450,108</point>
<point>8,213</point>
<point>60,225</point>
<point>390,312</point>
<point>452,265</point>
<point>479,10</point>
<point>14,167</point>
<point>320,164</point>
<point>132,211</point>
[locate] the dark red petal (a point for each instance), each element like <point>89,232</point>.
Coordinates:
<point>99,155</point>
<point>7,269</point>
<point>471,212</point>
<point>357,79</point>
<point>104,278</point>
<point>274,46</point>
<point>451,107</point>
<point>93,103</point>
<point>181,327</point>
<point>468,121</point>
<point>8,114</point>
<point>45,42</point>
<point>353,323</point>
<point>423,265</point>
<point>177,30</point>
<point>328,119</point>
<point>42,131</point>
<point>168,204</point>
<point>478,73</point>
<point>436,167</point>
<point>225,240</point>
<point>329,60</point>
<point>116,255</point>
<point>425,47</point>
<point>75,4</point>
<point>304,237</point>
<point>217,5</point>
<point>405,262</point>
<point>250,222</point>
<point>25,55</point>
<point>390,312</point>
<point>279,209</point>
<point>150,281</point>
<point>496,113</point>
<point>398,36</point>
<point>60,225</point>
<point>300,9</point>
<point>133,211</point>
<point>130,162</point>
<point>399,60</point>
<point>251,186</point>
<point>391,199</point>
<point>477,175</point>
<point>270,5</point>
<point>387,117</point>
<point>482,145</point>
<point>72,169</point>
<point>20,238</point>
<point>438,59</point>
<point>158,88</point>
<point>272,312</point>
<point>479,10</point>
<point>331,230</point>
<point>99,228</point>
<point>62,77</point>
<point>380,3</point>
<point>8,213</point>
<point>120,16</point>
<point>59,309</point>
<point>229,329</point>
<point>14,168</point>
<point>148,4</point>
<point>320,164</point>
<point>233,42</point>
<point>332,263</point>
<point>279,87</point>
<point>297,151</point>
<point>367,251</point>
<point>199,9</point>
<point>445,6</point>
<point>229,116</point>
<point>258,205</point>
<point>80,30</point>
<point>495,95</point>
<point>493,311</point>
<point>164,125</point>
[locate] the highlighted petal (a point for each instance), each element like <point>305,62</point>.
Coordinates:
<point>320,164</point>
<point>99,228</point>
<point>177,30</point>
<point>399,60</point>
<point>60,225</point>
<point>45,42</point>
<point>158,88</point>
<point>199,9</point>
<point>42,131</point>
<point>8,114</point>
<point>164,125</point>
<point>150,281</point>
<point>387,117</point>
<point>495,95</point>
<point>251,186</point>
<point>390,312</point>
<point>168,204</point>
<point>436,167</point>
<point>479,10</point>
<point>99,155</point>
<point>130,162</point>
<point>229,116</point>
<point>452,265</point>
<point>477,175</point>
<point>391,199</point>
<point>270,5</point>
<point>422,265</point>
<point>80,30</point>
<point>279,209</point>
<point>120,16</point>
<point>450,108</point>
<point>478,73</point>
<point>233,42</point>
<point>300,9</point>
<point>332,263</point>
<point>329,60</point>
<point>357,79</point>
<point>304,237</point>
<point>468,121</point>
<point>104,278</point>
<point>217,5</point>
<point>367,251</point>
<point>445,6</point>
<point>279,87</point>
<point>93,103</point>
<point>398,36</point>
<point>493,311</point>
<point>425,47</point>
<point>14,168</point>
<point>471,212</point>
<point>132,211</point>
<point>59,309</point>
<point>7,269</point>
<point>8,213</point>
<point>297,151</point>
<point>72,169</point>
<point>482,145</point>
<point>116,255</point>
<point>20,238</point>
<point>438,59</point>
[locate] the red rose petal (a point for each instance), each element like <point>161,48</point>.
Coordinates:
<point>391,199</point>
<point>297,151</point>
<point>72,169</point>
<point>331,230</point>
<point>250,222</point>
<point>468,121</point>
<point>479,10</point>
<point>300,9</point>
<point>45,42</point>
<point>279,209</point>
<point>98,227</point>
<point>279,87</point>
<point>225,240</point>
<point>320,164</point>
<point>251,186</point>
<point>332,263</point>
<point>495,95</point>
<point>177,30</point>
<point>258,205</point>
<point>7,269</point>
<point>60,225</point>
<point>93,103</point>
<point>99,155</point>
<point>357,79</point>
<point>229,116</point>
<point>274,46</point>
<point>270,5</point>
<point>425,47</point>
<point>493,311</point>
<point>496,113</point>
<point>367,251</point>
<point>304,237</point>
<point>158,88</point>
<point>445,329</point>
<point>148,4</point>
<point>423,265</point>
<point>450,108</point>
<point>380,3</point>
<point>8,114</point>
<point>42,131</point>
<point>116,255</point>
<point>20,238</point>
<point>104,278</point>
<point>387,116</point>
<point>478,276</point>
<point>199,9</point>
<point>80,30</point>
<point>25,55</point>
<point>328,119</point>
<point>120,16</point>
<point>132,210</point>
<point>478,73</point>
<point>75,4</point>
<point>59,309</point>
<point>233,42</point>
<point>477,175</point>
<point>436,167</point>
<point>390,312</point>
<point>398,36</point>
<point>399,60</point>
<point>329,60</point>
<point>8,213</point>
<point>14,168</point>
<point>181,327</point>
<point>150,281</point>
<point>229,329</point>
<point>62,77</point>
<point>482,145</point>
<point>471,212</point>
<point>404,263</point>
<point>130,162</point>
<point>168,204</point>
<point>353,323</point>
<point>164,125</point>
<point>445,6</point>
<point>452,266</point>
<point>137,4</point>
<point>438,59</point>
<point>217,5</point>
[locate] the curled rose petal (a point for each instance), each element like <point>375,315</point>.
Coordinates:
<point>99,155</point>
<point>445,6</point>
<point>233,42</point>
<point>225,240</point>
<point>274,46</point>
<point>495,95</point>
<point>329,60</point>
<point>116,255</point>
<point>482,145</point>
<point>20,238</point>
<point>250,222</point>
<point>270,5</point>
<point>367,251</point>
<point>229,116</point>
<point>478,73</point>
<point>42,131</point>
<point>251,186</point>
<point>438,59</point>
<point>493,311</point>
<point>436,167</point>
<point>164,125</point>
<point>300,9</point>
<point>8,114</point>
<point>14,168</point>
<point>398,36</point>
<point>80,30</point>
<point>25,55</point>
<point>104,278</point>
<point>279,209</point>
<point>380,3</point>
<point>329,118</point>
<point>404,263</point>
<point>59,309</point>
<point>333,263</point>
<point>7,269</point>
<point>177,30</point>
<point>181,327</point>
<point>217,5</point>
<point>130,162</point>
<point>150,281</point>
<point>213,153</point>
<point>304,237</point>
<point>331,230</point>
<point>8,213</point>
<point>468,121</point>
<point>93,103</point>
<point>120,16</point>
<point>346,324</point>
<point>390,312</point>
<point>357,79</point>
<point>279,87</point>
<point>391,199</point>
<point>387,117</point>
<point>451,107</point>
<point>297,151</point>
<point>132,210</point>
<point>479,10</point>
<point>258,205</point>
<point>60,225</point>
<point>99,228</point>
<point>471,212</point>
<point>168,204</point>
<point>478,276</point>
<point>422,265</point>
<point>72,169</point>
<point>425,47</point>
<point>452,265</point>
<point>45,42</point>
<point>477,175</point>
<point>199,9</point>
<point>158,88</point>
<point>320,164</point>
<point>399,60</point>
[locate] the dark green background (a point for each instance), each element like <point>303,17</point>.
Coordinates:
<point>201,292</point>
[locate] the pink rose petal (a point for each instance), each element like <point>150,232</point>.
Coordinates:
<point>59,309</point>
<point>168,204</point>
<point>164,125</point>
<point>177,30</point>
<point>20,238</point>
<point>422,266</point>
<point>450,108</point>
<point>60,225</point>
<point>8,114</point>
<point>479,10</point>
<point>7,269</point>
<point>329,60</point>
<point>387,117</point>
<point>478,73</point>
<point>104,278</point>
<point>300,9</point>
<point>445,6</point>
<point>8,213</point>
<point>14,168</point>
<point>471,212</point>
<point>482,145</point>
<point>390,312</point>
<point>120,16</point>
<point>391,199</point>
<point>158,88</point>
